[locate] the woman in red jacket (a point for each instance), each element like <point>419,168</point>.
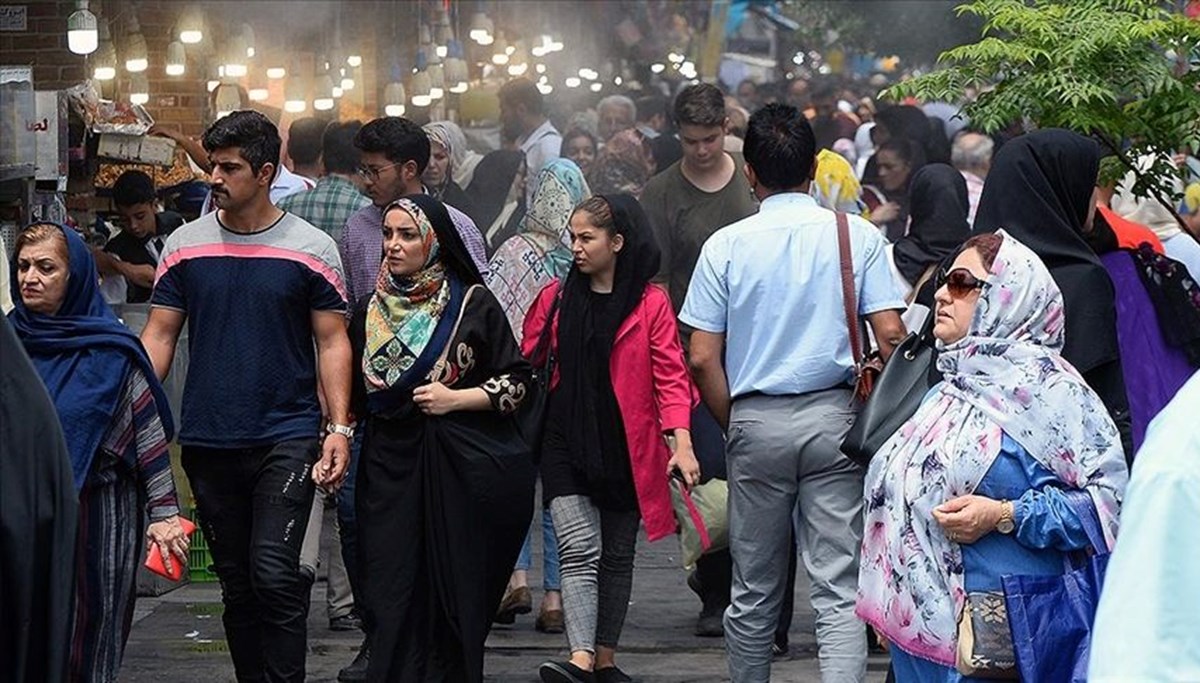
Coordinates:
<point>620,386</point>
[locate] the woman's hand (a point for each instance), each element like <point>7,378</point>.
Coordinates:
<point>436,399</point>
<point>684,459</point>
<point>170,538</point>
<point>885,213</point>
<point>966,519</point>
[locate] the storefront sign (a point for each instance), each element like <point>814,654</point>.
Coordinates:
<point>13,18</point>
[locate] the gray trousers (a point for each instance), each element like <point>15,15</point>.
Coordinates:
<point>595,549</point>
<point>784,463</point>
<point>339,599</point>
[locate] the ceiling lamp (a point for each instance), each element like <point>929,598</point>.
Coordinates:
<point>248,37</point>
<point>437,80</point>
<point>258,91</point>
<point>481,29</point>
<point>323,93</point>
<point>214,78</point>
<point>354,60</point>
<point>596,87</point>
<point>83,35</point>
<point>422,82</point>
<point>456,69</point>
<point>105,61</point>
<point>235,57</point>
<point>347,80</point>
<point>191,26</point>
<point>394,99</point>
<point>501,53</point>
<point>573,82</point>
<point>136,59</point>
<point>589,74</point>
<point>228,99</point>
<point>293,95</point>
<point>545,88</point>
<point>176,59</point>
<point>139,89</point>
<point>276,72</point>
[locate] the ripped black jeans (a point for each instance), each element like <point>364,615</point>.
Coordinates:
<point>254,505</point>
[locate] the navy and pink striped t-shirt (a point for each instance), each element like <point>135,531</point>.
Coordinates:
<point>249,298</point>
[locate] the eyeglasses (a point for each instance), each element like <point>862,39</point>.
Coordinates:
<point>369,173</point>
<point>960,282</point>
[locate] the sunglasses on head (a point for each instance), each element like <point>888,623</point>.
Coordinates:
<point>959,282</point>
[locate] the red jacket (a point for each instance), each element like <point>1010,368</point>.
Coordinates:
<point>653,388</point>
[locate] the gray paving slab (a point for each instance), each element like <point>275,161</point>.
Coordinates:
<point>178,636</point>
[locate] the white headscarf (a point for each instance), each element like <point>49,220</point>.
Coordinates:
<point>1005,377</point>
<point>1146,210</point>
<point>864,147</point>
<point>462,159</point>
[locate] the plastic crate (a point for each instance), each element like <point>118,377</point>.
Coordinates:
<point>200,564</point>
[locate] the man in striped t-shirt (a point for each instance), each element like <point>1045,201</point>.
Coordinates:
<point>264,297</point>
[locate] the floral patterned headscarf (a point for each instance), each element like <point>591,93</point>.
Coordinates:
<point>1005,377</point>
<point>404,311</point>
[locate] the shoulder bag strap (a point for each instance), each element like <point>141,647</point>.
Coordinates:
<point>441,361</point>
<point>849,302</point>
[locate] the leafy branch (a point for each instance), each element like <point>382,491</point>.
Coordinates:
<point>1124,71</point>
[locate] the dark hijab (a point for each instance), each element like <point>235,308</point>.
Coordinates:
<point>637,262</point>
<point>84,354</point>
<point>490,185</point>
<point>938,207</point>
<point>1040,190</point>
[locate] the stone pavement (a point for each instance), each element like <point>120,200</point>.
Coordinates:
<point>179,637</point>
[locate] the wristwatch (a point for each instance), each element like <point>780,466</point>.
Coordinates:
<point>345,430</point>
<point>1005,525</point>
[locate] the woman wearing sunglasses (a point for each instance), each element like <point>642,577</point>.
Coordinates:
<point>992,474</point>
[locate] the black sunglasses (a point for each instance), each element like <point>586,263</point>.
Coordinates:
<point>959,282</point>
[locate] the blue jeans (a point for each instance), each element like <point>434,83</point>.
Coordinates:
<point>550,578</point>
<point>347,519</point>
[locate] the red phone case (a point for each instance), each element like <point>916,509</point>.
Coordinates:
<point>154,560</point>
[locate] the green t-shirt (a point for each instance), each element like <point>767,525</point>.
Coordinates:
<point>684,217</point>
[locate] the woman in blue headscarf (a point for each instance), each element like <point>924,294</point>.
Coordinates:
<point>117,424</point>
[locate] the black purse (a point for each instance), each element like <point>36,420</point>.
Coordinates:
<point>897,394</point>
<point>531,416</point>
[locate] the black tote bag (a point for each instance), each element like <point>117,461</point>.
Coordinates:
<point>531,416</point>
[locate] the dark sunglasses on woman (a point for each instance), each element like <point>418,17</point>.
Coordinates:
<point>959,282</point>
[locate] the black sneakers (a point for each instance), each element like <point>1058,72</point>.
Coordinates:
<point>565,672</point>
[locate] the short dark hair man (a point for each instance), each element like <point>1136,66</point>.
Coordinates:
<point>304,147</point>
<point>523,118</point>
<point>395,152</point>
<point>138,246</point>
<point>771,355</point>
<point>263,294</point>
<point>689,201</point>
<point>336,196</point>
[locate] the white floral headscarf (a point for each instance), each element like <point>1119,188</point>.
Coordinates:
<point>1005,377</point>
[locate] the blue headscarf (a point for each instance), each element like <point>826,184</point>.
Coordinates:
<point>83,354</point>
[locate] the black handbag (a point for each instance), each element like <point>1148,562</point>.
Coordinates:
<point>531,416</point>
<point>897,394</point>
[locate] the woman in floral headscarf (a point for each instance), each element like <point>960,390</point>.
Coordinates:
<point>624,165</point>
<point>994,472</point>
<point>445,485</point>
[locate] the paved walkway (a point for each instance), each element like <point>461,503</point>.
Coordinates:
<point>178,636</point>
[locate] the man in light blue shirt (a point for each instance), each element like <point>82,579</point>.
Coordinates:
<point>1147,626</point>
<point>766,299</point>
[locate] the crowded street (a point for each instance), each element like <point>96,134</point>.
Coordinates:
<point>452,341</point>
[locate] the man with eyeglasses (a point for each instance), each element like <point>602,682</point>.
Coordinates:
<point>395,152</point>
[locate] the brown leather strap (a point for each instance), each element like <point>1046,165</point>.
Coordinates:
<point>849,303</point>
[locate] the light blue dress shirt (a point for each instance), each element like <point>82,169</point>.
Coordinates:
<point>1148,623</point>
<point>771,283</point>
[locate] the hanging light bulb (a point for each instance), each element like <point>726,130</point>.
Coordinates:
<point>228,99</point>
<point>456,69</point>
<point>323,93</point>
<point>83,35</point>
<point>105,61</point>
<point>500,52</point>
<point>338,92</point>
<point>139,89</point>
<point>518,62</point>
<point>176,59</point>
<point>258,92</point>
<point>248,37</point>
<point>437,81</point>
<point>422,82</point>
<point>481,29</point>
<point>393,99</point>
<point>276,72</point>
<point>294,97</point>
<point>235,57</point>
<point>136,59</point>
<point>215,75</point>
<point>347,80</point>
<point>545,88</point>
<point>354,60</point>
<point>596,87</point>
<point>191,26</point>
<point>573,82</point>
